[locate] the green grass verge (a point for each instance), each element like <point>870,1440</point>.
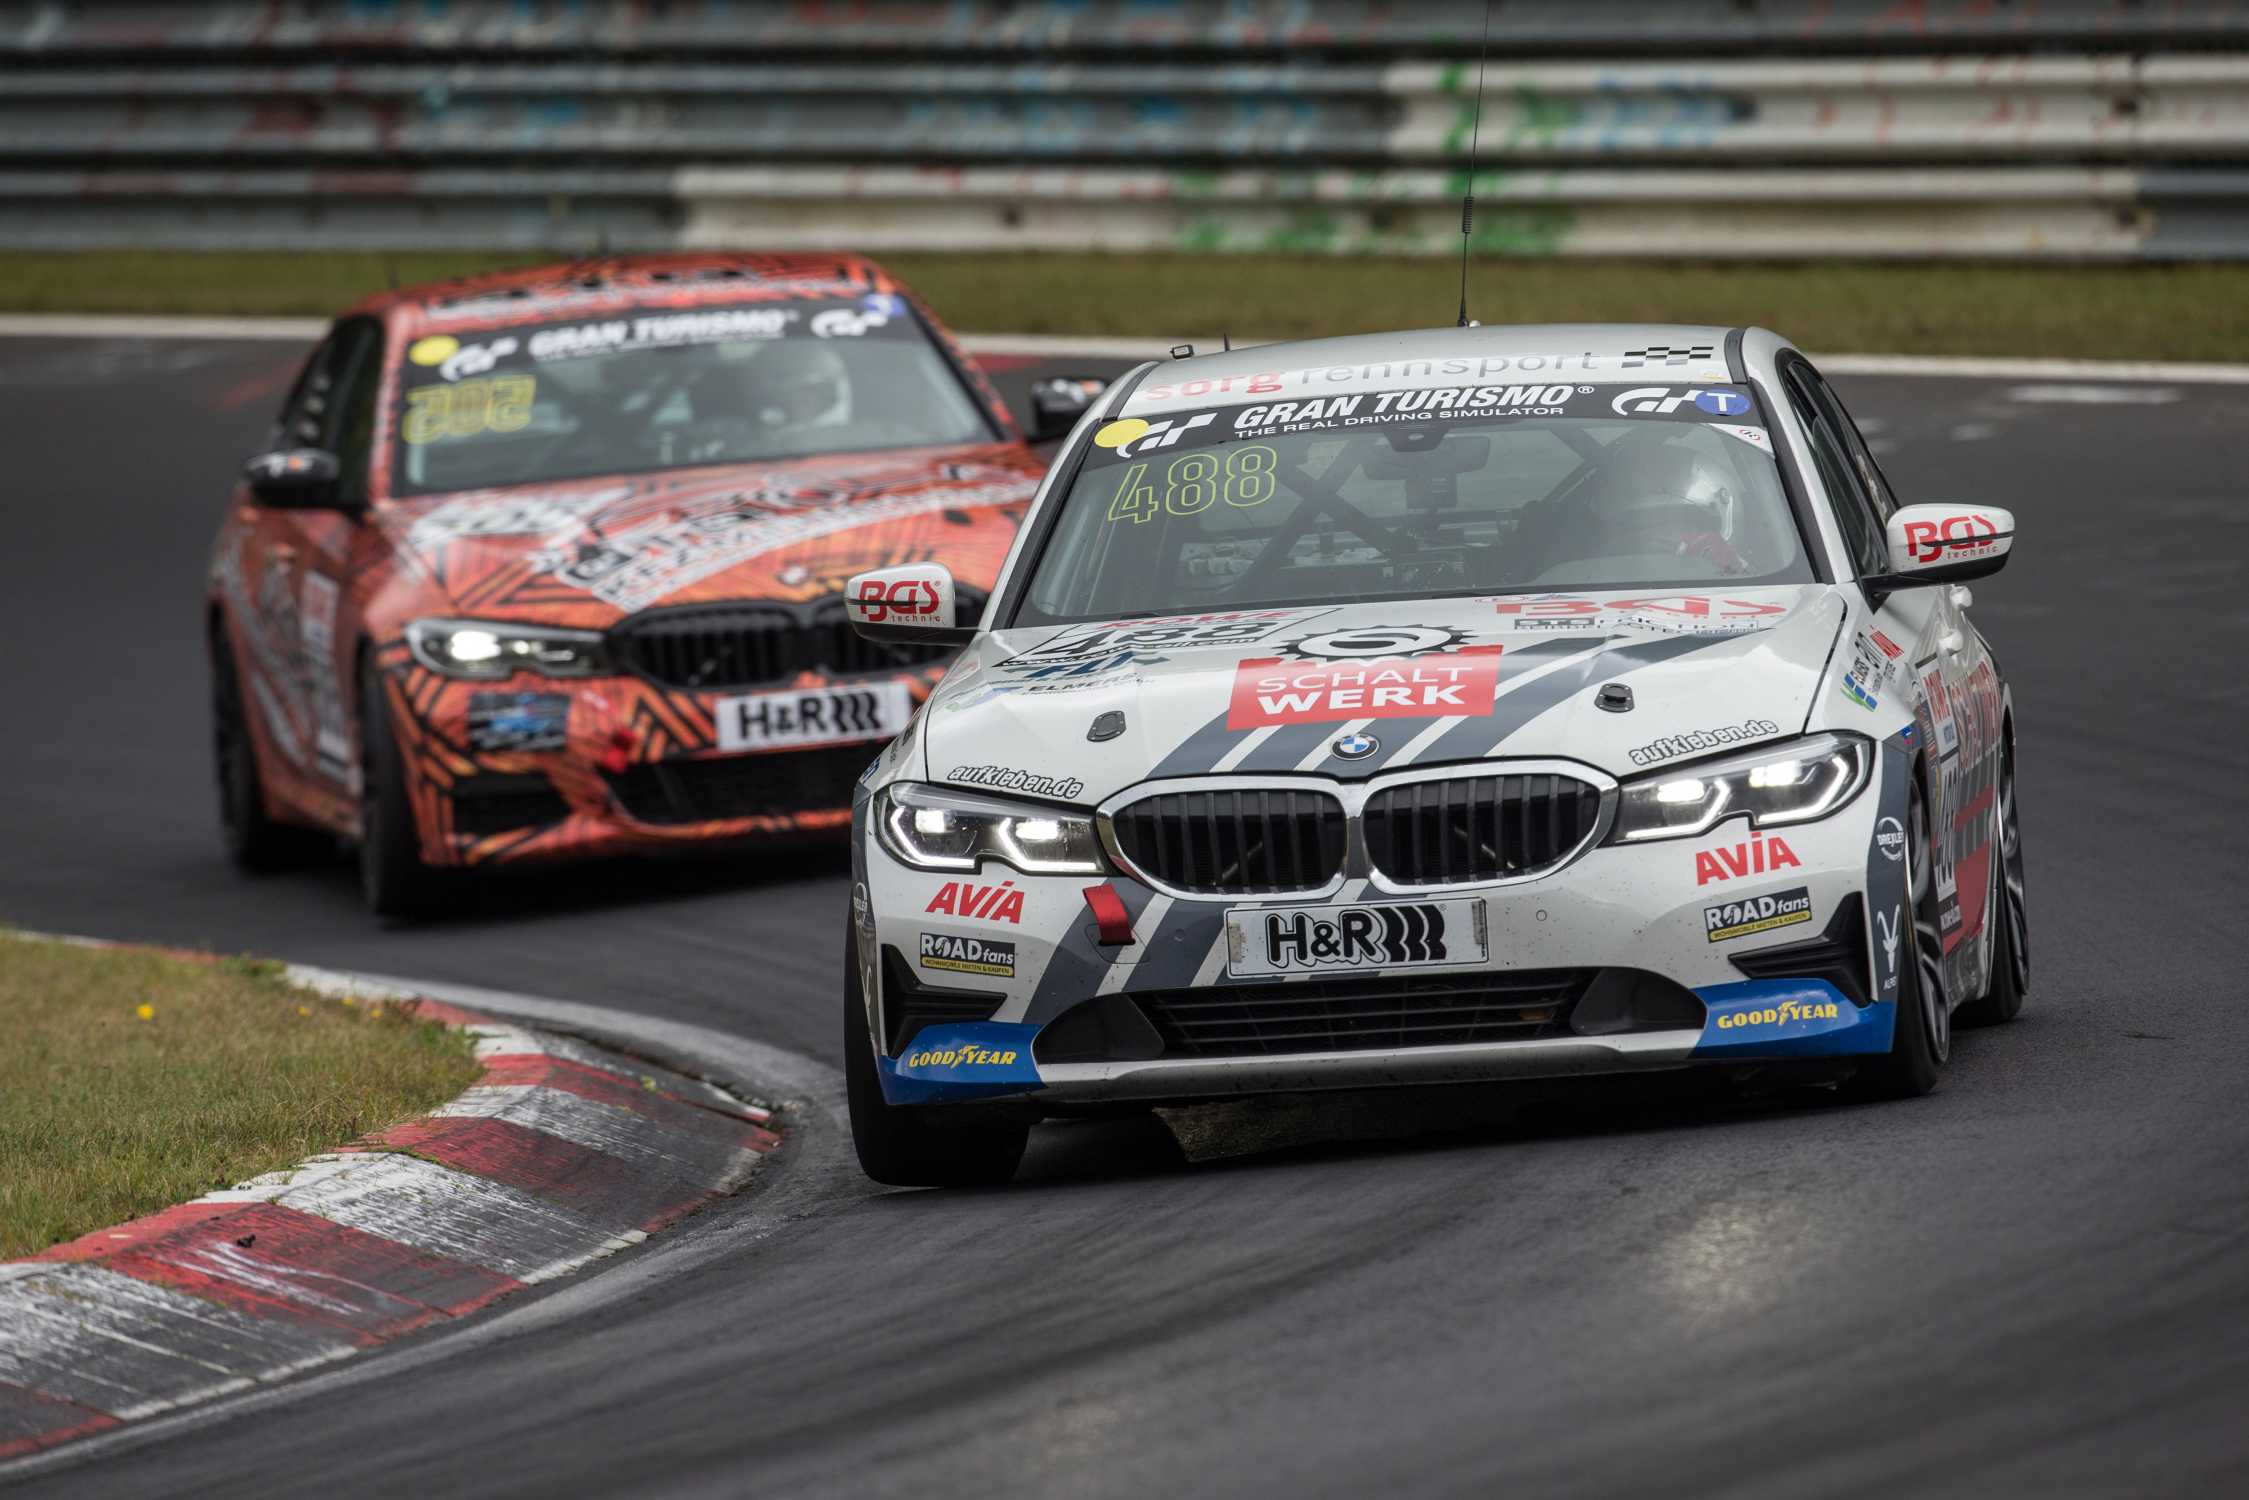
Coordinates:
<point>107,1114</point>
<point>2098,312</point>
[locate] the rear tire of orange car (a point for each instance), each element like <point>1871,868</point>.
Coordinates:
<point>255,841</point>
<point>392,875</point>
<point>954,1145</point>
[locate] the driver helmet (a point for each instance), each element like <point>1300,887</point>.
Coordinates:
<point>1655,490</point>
<point>796,385</point>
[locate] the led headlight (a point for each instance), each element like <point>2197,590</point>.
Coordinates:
<point>1793,782</point>
<point>488,649</point>
<point>932,828</point>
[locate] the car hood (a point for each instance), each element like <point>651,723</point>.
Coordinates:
<point>587,552</point>
<point>1428,682</point>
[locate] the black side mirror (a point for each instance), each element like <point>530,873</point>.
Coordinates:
<point>295,479</point>
<point>1058,401</point>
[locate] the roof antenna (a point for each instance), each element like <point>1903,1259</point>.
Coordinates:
<point>1468,198</point>
<point>1226,341</point>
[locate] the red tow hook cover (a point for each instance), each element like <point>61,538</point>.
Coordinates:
<point>1109,914</point>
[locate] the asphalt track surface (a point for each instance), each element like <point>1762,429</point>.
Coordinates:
<point>2036,1280</point>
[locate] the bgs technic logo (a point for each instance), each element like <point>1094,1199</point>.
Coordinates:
<point>1755,914</point>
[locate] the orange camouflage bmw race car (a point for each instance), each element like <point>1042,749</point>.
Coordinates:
<point>548,564</point>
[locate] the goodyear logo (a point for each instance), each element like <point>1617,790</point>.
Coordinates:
<point>969,1057</point>
<point>1781,1014</point>
<point>1754,914</point>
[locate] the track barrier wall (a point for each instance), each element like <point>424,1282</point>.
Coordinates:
<point>2082,129</point>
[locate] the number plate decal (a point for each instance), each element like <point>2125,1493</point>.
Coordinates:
<point>813,716</point>
<point>1371,935</point>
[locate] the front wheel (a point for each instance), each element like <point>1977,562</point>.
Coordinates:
<point>916,1145</point>
<point>1921,1040</point>
<point>255,840</point>
<point>392,876</point>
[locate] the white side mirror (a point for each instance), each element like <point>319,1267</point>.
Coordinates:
<point>911,602</point>
<point>1947,543</point>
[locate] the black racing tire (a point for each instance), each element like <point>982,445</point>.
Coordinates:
<point>256,842</point>
<point>393,878</point>
<point>1921,1040</point>
<point>917,1145</point>
<point>2009,986</point>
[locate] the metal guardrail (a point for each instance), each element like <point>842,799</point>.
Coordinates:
<point>1328,126</point>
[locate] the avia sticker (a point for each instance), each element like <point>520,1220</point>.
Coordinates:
<point>967,955</point>
<point>1760,856</point>
<point>1672,746</point>
<point>1755,914</point>
<point>986,903</point>
<point>1268,690</point>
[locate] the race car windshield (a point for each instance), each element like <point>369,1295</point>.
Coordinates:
<point>669,389</point>
<point>1418,493</point>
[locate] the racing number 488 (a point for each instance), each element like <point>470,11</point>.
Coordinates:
<point>1194,482</point>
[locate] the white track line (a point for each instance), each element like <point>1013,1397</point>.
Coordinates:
<point>1065,346</point>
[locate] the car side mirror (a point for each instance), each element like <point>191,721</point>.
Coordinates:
<point>911,602</point>
<point>1058,401</point>
<point>1945,544</point>
<point>295,479</point>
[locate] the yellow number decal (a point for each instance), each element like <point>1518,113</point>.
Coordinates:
<point>437,412</point>
<point>1135,499</point>
<point>1249,474</point>
<point>511,402</point>
<point>426,411</point>
<point>1191,484</point>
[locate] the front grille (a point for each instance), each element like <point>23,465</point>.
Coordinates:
<point>752,645</point>
<point>1364,1014</point>
<point>1254,842</point>
<point>1477,827</point>
<point>491,803</point>
<point>741,786</point>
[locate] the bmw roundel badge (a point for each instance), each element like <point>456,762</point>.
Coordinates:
<point>1356,746</point>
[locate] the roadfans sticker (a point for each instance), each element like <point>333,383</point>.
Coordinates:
<point>1755,914</point>
<point>1008,779</point>
<point>1672,746</point>
<point>1295,940</point>
<point>1760,856</point>
<point>1269,690</point>
<point>517,721</point>
<point>967,955</point>
<point>986,903</point>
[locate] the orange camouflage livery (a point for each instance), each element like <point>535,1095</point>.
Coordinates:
<point>548,564</point>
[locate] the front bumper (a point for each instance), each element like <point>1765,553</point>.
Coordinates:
<point>998,987</point>
<point>534,769</point>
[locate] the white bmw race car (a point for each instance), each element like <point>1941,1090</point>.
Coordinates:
<point>1467,704</point>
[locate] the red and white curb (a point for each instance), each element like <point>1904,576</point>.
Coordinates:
<point>558,1155</point>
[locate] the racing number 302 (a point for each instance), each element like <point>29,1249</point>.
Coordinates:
<point>501,404</point>
<point>1196,481</point>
